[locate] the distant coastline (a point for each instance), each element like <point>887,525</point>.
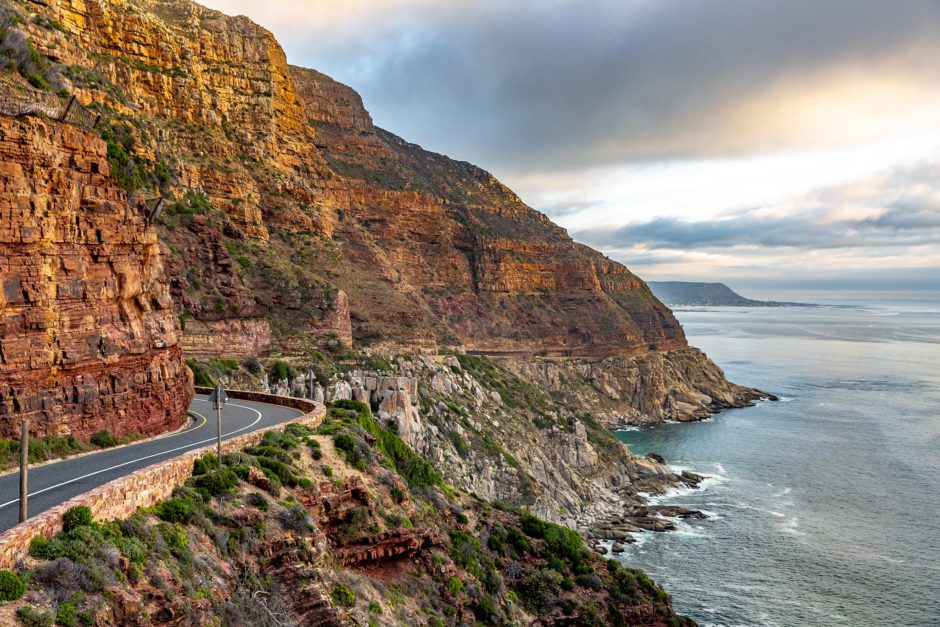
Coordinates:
<point>697,294</point>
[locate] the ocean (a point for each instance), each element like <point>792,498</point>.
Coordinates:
<point>824,507</point>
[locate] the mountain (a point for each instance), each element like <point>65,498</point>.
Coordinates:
<point>297,248</point>
<point>679,293</point>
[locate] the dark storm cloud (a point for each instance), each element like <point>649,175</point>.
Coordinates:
<point>535,84</point>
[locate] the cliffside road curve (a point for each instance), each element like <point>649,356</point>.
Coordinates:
<point>54,483</point>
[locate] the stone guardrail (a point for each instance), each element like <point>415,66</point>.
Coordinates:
<point>148,486</point>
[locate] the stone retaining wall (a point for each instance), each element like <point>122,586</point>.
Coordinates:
<point>145,487</point>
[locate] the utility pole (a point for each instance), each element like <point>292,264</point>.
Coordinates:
<point>24,464</point>
<point>218,398</point>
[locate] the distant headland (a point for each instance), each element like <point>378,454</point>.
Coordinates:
<point>680,293</point>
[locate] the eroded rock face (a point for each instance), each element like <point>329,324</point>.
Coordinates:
<point>484,270</point>
<point>88,337</point>
<point>681,385</point>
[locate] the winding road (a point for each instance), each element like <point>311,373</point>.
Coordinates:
<point>59,481</point>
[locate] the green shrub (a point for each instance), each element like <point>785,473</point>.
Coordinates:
<point>12,586</point>
<point>455,586</point>
<point>217,483</point>
<point>298,431</point>
<point>78,516</point>
<point>30,617</point>
<point>539,590</point>
<point>343,596</point>
<point>257,500</point>
<point>281,371</point>
<point>177,540</point>
<point>175,510</point>
<point>66,615</point>
<point>104,439</point>
<point>205,464</point>
<point>280,469</point>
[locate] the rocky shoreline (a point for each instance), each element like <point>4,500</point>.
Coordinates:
<point>618,529</point>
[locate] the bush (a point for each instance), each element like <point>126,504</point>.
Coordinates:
<point>455,586</point>
<point>30,617</point>
<point>296,519</point>
<point>12,586</point>
<point>205,464</point>
<point>255,499</point>
<point>66,615</point>
<point>253,365</point>
<point>539,590</point>
<point>281,371</point>
<point>78,516</point>
<point>41,549</point>
<point>175,510</point>
<point>104,439</point>
<point>217,483</point>
<point>343,596</point>
<point>280,469</point>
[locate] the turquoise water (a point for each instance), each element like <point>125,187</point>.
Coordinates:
<point>824,507</point>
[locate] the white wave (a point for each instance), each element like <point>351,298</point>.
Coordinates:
<point>791,526</point>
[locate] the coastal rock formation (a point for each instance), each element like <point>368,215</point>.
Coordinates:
<point>682,385</point>
<point>491,432</point>
<point>88,337</point>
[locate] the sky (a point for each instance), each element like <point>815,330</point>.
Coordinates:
<point>775,144</point>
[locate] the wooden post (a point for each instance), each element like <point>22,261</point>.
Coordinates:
<point>68,108</point>
<point>24,463</point>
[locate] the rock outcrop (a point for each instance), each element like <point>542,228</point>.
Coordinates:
<point>88,336</point>
<point>682,385</point>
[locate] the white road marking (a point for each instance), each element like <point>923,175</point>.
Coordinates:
<point>134,461</point>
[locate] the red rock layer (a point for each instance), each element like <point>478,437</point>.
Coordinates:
<point>88,337</point>
<point>490,273</point>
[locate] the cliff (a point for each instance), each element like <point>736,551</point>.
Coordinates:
<point>290,206</point>
<point>88,335</point>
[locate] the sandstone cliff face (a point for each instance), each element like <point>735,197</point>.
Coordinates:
<point>494,275</point>
<point>293,219</point>
<point>88,336</point>
<point>287,195</point>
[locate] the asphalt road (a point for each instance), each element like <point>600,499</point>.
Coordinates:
<point>54,483</point>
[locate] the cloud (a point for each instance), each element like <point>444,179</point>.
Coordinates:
<point>898,208</point>
<point>532,84</point>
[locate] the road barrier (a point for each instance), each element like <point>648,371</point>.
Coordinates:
<point>148,486</point>
<point>17,99</point>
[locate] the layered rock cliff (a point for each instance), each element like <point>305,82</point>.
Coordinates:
<point>290,204</point>
<point>88,335</point>
<point>293,222</point>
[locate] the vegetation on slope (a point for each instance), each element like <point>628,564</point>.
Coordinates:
<point>342,523</point>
